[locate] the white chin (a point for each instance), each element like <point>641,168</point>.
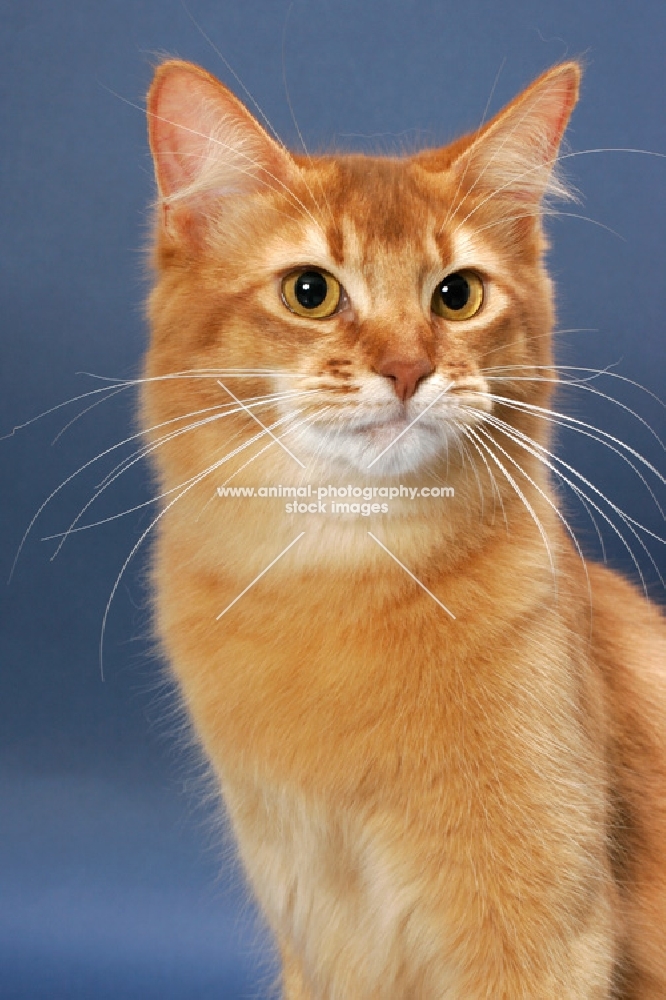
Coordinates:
<point>379,450</point>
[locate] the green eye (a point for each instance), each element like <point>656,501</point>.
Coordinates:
<point>459,296</point>
<point>312,293</point>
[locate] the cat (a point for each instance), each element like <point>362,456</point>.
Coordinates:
<point>439,733</point>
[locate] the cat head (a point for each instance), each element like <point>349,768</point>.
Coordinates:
<point>361,305</point>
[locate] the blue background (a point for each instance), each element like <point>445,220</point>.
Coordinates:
<point>115,878</point>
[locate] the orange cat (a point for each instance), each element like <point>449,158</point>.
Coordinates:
<point>439,735</point>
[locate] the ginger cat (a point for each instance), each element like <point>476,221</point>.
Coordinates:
<point>440,736</point>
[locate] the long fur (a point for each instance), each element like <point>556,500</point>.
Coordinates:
<point>428,805</point>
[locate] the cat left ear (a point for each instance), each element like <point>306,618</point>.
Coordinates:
<point>205,142</point>
<point>514,157</point>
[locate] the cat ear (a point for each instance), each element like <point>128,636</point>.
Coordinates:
<point>515,156</point>
<point>205,143</point>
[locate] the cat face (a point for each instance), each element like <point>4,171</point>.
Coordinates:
<point>365,299</point>
<point>407,312</point>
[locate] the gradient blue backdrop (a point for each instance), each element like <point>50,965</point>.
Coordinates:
<point>114,881</point>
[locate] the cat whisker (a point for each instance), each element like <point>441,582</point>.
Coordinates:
<point>74,528</point>
<point>528,506</point>
<point>261,451</point>
<point>630,522</point>
<point>113,392</point>
<point>529,445</point>
<point>143,453</point>
<point>78,471</point>
<point>266,400</point>
<point>580,497</point>
<point>190,484</point>
<point>558,422</point>
<point>553,462</point>
<point>578,382</point>
<point>290,430</point>
<point>119,384</point>
<point>59,406</point>
<point>305,422</point>
<point>199,373</point>
<point>309,418</point>
<point>545,496</point>
<point>576,424</point>
<point>464,454</point>
<point>491,476</point>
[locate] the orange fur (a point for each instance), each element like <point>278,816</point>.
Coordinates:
<point>426,806</point>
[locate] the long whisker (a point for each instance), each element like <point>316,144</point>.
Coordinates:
<point>143,453</point>
<point>81,468</point>
<point>190,485</point>
<point>126,383</point>
<point>505,472</point>
<point>532,447</point>
<point>576,382</point>
<point>258,421</point>
<point>112,392</point>
<point>553,462</point>
<point>574,422</point>
<point>629,521</point>
<point>465,454</point>
<point>290,430</point>
<point>148,503</point>
<point>59,406</point>
<point>254,401</point>
<point>558,422</point>
<point>545,496</point>
<point>276,439</point>
<point>491,474</point>
<point>200,373</point>
<point>137,545</point>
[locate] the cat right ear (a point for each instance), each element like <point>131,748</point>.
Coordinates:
<point>206,144</point>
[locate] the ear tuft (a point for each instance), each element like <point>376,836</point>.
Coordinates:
<point>204,141</point>
<point>515,155</point>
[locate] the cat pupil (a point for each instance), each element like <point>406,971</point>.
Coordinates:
<point>455,291</point>
<point>311,289</point>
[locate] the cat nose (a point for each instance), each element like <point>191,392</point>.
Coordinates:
<point>406,375</point>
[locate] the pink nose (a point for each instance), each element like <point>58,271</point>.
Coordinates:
<point>406,375</point>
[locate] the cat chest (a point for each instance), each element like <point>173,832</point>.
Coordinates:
<point>358,898</point>
<point>405,898</point>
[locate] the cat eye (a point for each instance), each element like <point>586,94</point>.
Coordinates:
<point>311,292</point>
<point>459,296</point>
